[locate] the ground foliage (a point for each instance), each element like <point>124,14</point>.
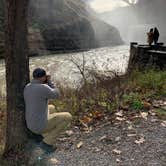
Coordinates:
<point>134,93</point>
<point>121,99</point>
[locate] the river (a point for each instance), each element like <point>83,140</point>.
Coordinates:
<point>65,72</point>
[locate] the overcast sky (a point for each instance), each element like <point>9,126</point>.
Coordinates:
<point>105,5</point>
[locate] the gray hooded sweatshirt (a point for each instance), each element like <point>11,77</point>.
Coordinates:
<point>36,97</point>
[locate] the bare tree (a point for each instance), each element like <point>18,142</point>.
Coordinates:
<point>17,72</point>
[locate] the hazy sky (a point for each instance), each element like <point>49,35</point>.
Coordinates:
<point>106,5</point>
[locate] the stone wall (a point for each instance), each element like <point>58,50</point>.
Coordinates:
<point>145,56</point>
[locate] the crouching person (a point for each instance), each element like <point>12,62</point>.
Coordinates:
<point>38,120</point>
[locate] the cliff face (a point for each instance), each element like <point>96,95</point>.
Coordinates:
<point>106,35</point>
<point>58,25</point>
<point>70,25</point>
<point>78,35</point>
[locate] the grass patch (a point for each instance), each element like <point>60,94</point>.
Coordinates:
<point>133,100</point>
<point>107,95</point>
<point>150,82</point>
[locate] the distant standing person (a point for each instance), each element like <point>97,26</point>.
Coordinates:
<point>156,35</point>
<point>150,35</point>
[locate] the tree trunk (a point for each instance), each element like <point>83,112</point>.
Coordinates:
<point>17,72</point>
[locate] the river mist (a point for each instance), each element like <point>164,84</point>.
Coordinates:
<point>135,20</point>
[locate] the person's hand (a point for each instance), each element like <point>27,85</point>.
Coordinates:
<point>48,77</point>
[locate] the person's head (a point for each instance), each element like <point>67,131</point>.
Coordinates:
<point>151,30</point>
<point>40,74</point>
<point>155,29</point>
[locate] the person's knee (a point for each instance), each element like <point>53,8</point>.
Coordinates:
<point>51,108</point>
<point>68,117</point>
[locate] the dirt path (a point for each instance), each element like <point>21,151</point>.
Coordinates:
<point>137,142</point>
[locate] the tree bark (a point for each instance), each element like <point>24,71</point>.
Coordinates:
<point>17,72</point>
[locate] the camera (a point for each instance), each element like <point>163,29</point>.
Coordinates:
<point>48,77</point>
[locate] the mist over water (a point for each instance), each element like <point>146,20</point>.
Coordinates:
<point>135,21</point>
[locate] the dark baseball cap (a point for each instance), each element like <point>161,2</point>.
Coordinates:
<point>39,72</point>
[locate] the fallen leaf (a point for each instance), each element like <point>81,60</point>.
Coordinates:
<point>85,125</point>
<point>134,117</point>
<point>158,103</point>
<point>115,151</point>
<point>97,114</point>
<point>144,115</point>
<point>63,139</point>
<point>118,161</point>
<point>151,112</point>
<point>128,122</point>
<point>131,135</point>
<point>54,161</point>
<point>163,124</point>
<point>79,145</point>
<point>69,133</point>
<point>120,119</point>
<point>146,105</point>
<point>102,138</point>
<point>140,141</point>
<point>130,127</point>
<point>86,119</point>
<point>120,113</point>
<point>154,120</point>
<point>97,149</point>
<point>117,139</point>
<point>108,139</point>
<point>87,130</point>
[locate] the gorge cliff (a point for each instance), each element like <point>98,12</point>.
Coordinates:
<point>62,25</point>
